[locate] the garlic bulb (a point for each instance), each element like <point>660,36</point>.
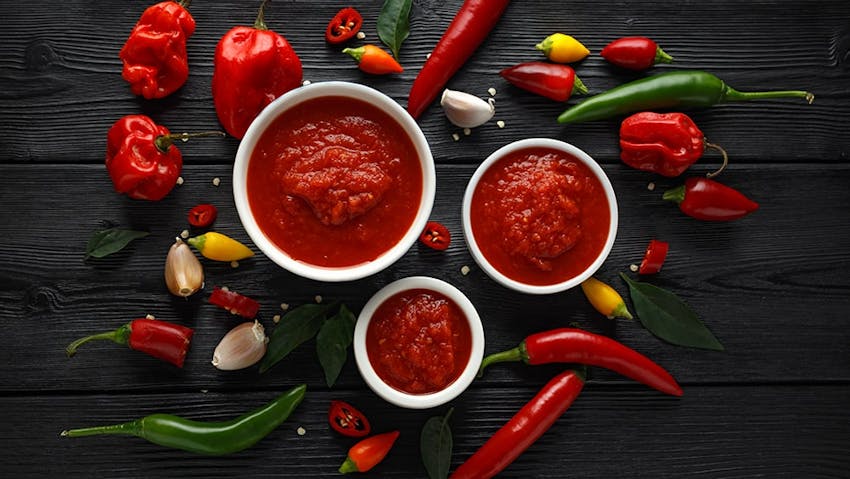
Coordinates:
<point>184,274</point>
<point>240,348</point>
<point>465,110</point>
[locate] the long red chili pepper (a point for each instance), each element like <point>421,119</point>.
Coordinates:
<point>527,425</point>
<point>162,340</point>
<point>470,27</point>
<point>709,200</point>
<point>552,80</point>
<point>570,345</point>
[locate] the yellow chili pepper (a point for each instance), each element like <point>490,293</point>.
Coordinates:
<point>605,299</point>
<point>219,247</point>
<point>562,48</point>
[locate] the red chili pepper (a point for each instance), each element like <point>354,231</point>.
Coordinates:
<point>527,425</point>
<point>372,59</point>
<point>470,27</point>
<point>162,340</point>
<point>570,345</point>
<point>367,453</point>
<point>343,26</point>
<point>202,215</point>
<point>154,56</point>
<point>654,257</point>
<point>635,53</point>
<point>709,200</point>
<point>436,236</point>
<point>664,143</point>
<point>253,66</point>
<point>234,302</point>
<point>552,80</point>
<point>347,420</point>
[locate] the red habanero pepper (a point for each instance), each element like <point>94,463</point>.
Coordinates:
<point>252,67</point>
<point>664,143</point>
<point>343,26</point>
<point>234,302</point>
<point>552,80</point>
<point>709,200</point>
<point>436,236</point>
<point>347,420</point>
<point>154,55</point>
<point>202,215</point>
<point>570,345</point>
<point>527,425</point>
<point>468,29</point>
<point>653,259</point>
<point>367,453</point>
<point>635,53</point>
<point>162,340</point>
<point>374,60</point>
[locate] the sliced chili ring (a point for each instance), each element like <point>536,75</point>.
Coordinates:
<point>343,26</point>
<point>347,420</point>
<point>234,302</point>
<point>654,257</point>
<point>202,215</point>
<point>436,236</point>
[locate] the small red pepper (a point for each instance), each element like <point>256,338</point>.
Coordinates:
<point>154,55</point>
<point>635,53</point>
<point>347,420</point>
<point>202,215</point>
<point>527,425</point>
<point>436,236</point>
<point>252,67</point>
<point>653,259</point>
<point>374,60</point>
<point>664,143</point>
<point>234,302</point>
<point>570,345</point>
<point>367,453</point>
<point>552,80</point>
<point>709,200</point>
<point>162,340</point>
<point>343,26</point>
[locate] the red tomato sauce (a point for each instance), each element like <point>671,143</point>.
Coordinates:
<point>334,182</point>
<point>540,216</point>
<point>418,341</point>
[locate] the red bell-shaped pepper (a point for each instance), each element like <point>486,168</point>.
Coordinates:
<point>635,53</point>
<point>709,200</point>
<point>552,80</point>
<point>162,340</point>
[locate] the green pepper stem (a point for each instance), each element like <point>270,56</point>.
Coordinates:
<point>260,22</point>
<point>725,159</point>
<point>661,56</point>
<point>164,142</point>
<point>730,94</point>
<point>119,336</point>
<point>578,87</point>
<point>131,428</point>
<point>184,3</point>
<point>621,311</point>
<point>348,466</point>
<point>676,194</point>
<point>356,53</point>
<point>519,353</point>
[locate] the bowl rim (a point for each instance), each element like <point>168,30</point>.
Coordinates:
<point>419,401</point>
<point>565,147</point>
<point>289,100</point>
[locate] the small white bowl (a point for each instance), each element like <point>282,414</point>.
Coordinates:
<point>419,401</point>
<point>281,105</point>
<point>555,145</point>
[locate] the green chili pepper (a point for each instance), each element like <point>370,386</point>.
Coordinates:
<point>211,438</point>
<point>682,88</point>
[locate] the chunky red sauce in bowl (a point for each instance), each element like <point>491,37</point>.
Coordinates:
<point>539,216</point>
<point>334,181</point>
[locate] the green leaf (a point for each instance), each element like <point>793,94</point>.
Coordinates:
<point>295,327</point>
<point>669,318</point>
<point>333,341</point>
<point>435,444</point>
<point>108,241</point>
<point>394,23</point>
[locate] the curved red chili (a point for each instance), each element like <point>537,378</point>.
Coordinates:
<point>708,200</point>
<point>527,425</point>
<point>347,420</point>
<point>635,53</point>
<point>202,215</point>
<point>553,80</point>
<point>367,453</point>
<point>436,236</point>
<point>653,259</point>
<point>234,302</point>
<point>162,340</point>
<point>468,29</point>
<point>570,345</point>
<point>343,26</point>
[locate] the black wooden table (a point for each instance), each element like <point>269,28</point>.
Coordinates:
<point>773,287</point>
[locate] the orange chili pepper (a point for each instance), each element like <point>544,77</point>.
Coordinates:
<point>372,59</point>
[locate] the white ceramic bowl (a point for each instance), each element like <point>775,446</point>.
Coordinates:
<point>539,143</point>
<point>418,401</point>
<point>281,105</point>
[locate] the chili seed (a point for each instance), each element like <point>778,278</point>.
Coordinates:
<point>184,234</point>
<point>500,124</point>
<point>455,137</point>
<point>650,186</point>
<point>361,35</point>
<point>318,298</point>
<point>284,306</point>
<point>216,181</point>
<point>149,316</point>
<point>305,82</point>
<point>633,268</point>
<point>492,91</point>
<point>301,431</point>
<point>276,318</point>
<point>225,288</point>
<point>464,270</point>
<point>234,264</point>
<point>467,131</point>
<point>179,180</point>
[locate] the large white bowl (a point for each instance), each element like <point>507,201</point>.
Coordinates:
<point>280,106</point>
<point>471,241</point>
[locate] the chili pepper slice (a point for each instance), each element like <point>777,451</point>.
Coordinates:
<point>653,259</point>
<point>234,302</point>
<point>551,80</point>
<point>635,53</point>
<point>202,215</point>
<point>348,420</point>
<point>367,453</point>
<point>436,236</point>
<point>162,340</point>
<point>374,60</point>
<point>343,26</point>
<point>708,200</point>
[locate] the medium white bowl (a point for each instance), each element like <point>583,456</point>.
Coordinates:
<point>419,401</point>
<point>281,105</point>
<point>580,156</point>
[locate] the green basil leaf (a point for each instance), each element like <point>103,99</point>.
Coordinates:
<point>435,444</point>
<point>333,341</point>
<point>669,318</point>
<point>394,23</point>
<point>112,240</point>
<point>295,327</point>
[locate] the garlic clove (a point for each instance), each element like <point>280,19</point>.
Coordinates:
<point>242,347</point>
<point>465,110</point>
<point>184,274</point>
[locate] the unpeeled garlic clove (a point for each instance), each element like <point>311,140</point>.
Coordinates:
<point>240,348</point>
<point>465,110</point>
<point>184,274</point>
